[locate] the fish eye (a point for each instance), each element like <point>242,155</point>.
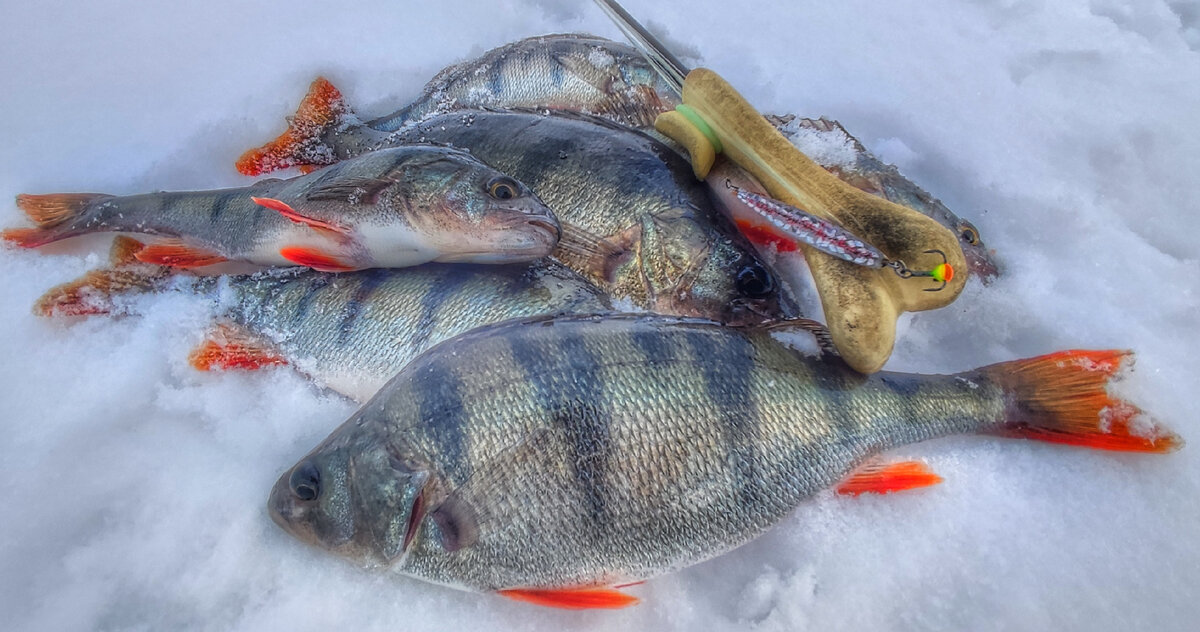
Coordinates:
<point>970,235</point>
<point>305,481</point>
<point>754,281</point>
<point>502,188</point>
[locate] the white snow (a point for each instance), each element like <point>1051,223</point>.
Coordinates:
<point>1068,131</point>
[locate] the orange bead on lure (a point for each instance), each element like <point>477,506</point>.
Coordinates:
<point>786,223</point>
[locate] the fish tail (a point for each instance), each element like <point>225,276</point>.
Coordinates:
<point>302,144</point>
<point>94,293</point>
<point>49,212</point>
<point>1063,398</point>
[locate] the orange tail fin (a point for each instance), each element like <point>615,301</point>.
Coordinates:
<point>49,211</point>
<point>1063,398</point>
<point>301,145</point>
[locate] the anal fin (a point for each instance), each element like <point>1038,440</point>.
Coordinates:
<point>176,254</point>
<point>572,598</point>
<point>884,478</point>
<point>230,347</point>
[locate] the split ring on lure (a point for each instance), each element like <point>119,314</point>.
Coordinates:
<point>833,239</point>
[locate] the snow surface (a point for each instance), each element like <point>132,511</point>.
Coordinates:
<point>1067,130</point>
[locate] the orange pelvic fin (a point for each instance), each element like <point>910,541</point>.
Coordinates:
<point>230,347</point>
<point>885,478</point>
<point>315,259</point>
<point>301,144</point>
<point>1063,398</point>
<point>124,250</point>
<point>572,598</point>
<point>287,211</point>
<point>176,254</point>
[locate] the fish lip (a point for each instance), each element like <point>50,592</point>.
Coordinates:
<point>277,502</point>
<point>982,267</point>
<point>547,223</point>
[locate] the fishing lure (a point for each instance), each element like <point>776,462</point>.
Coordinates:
<point>833,239</point>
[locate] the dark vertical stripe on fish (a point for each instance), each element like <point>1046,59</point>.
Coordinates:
<point>495,80</point>
<point>316,284</point>
<point>446,286</point>
<point>574,399</point>
<point>654,346</point>
<point>728,384</point>
<point>557,72</point>
<point>838,402</point>
<point>442,411</point>
<point>368,282</point>
<point>221,203</point>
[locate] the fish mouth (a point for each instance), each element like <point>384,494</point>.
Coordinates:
<point>280,507</point>
<point>518,236</point>
<point>981,265</point>
<point>546,223</point>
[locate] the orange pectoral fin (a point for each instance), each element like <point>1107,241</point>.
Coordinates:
<point>315,259</point>
<point>176,254</point>
<point>887,478</point>
<point>287,211</point>
<point>572,598</point>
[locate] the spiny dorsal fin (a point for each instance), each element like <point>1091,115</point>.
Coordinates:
<point>350,190</point>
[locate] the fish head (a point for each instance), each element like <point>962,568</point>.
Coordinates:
<point>691,269</point>
<point>469,212</point>
<point>979,258</point>
<point>353,497</point>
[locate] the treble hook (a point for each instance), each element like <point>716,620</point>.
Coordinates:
<point>941,272</point>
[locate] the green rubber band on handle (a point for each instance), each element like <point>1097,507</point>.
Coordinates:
<point>694,118</point>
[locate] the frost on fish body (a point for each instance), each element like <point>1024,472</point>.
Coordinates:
<point>581,73</point>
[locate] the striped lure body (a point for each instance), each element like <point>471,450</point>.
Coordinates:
<point>586,451</point>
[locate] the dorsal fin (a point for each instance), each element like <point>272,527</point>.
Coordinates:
<point>350,190</point>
